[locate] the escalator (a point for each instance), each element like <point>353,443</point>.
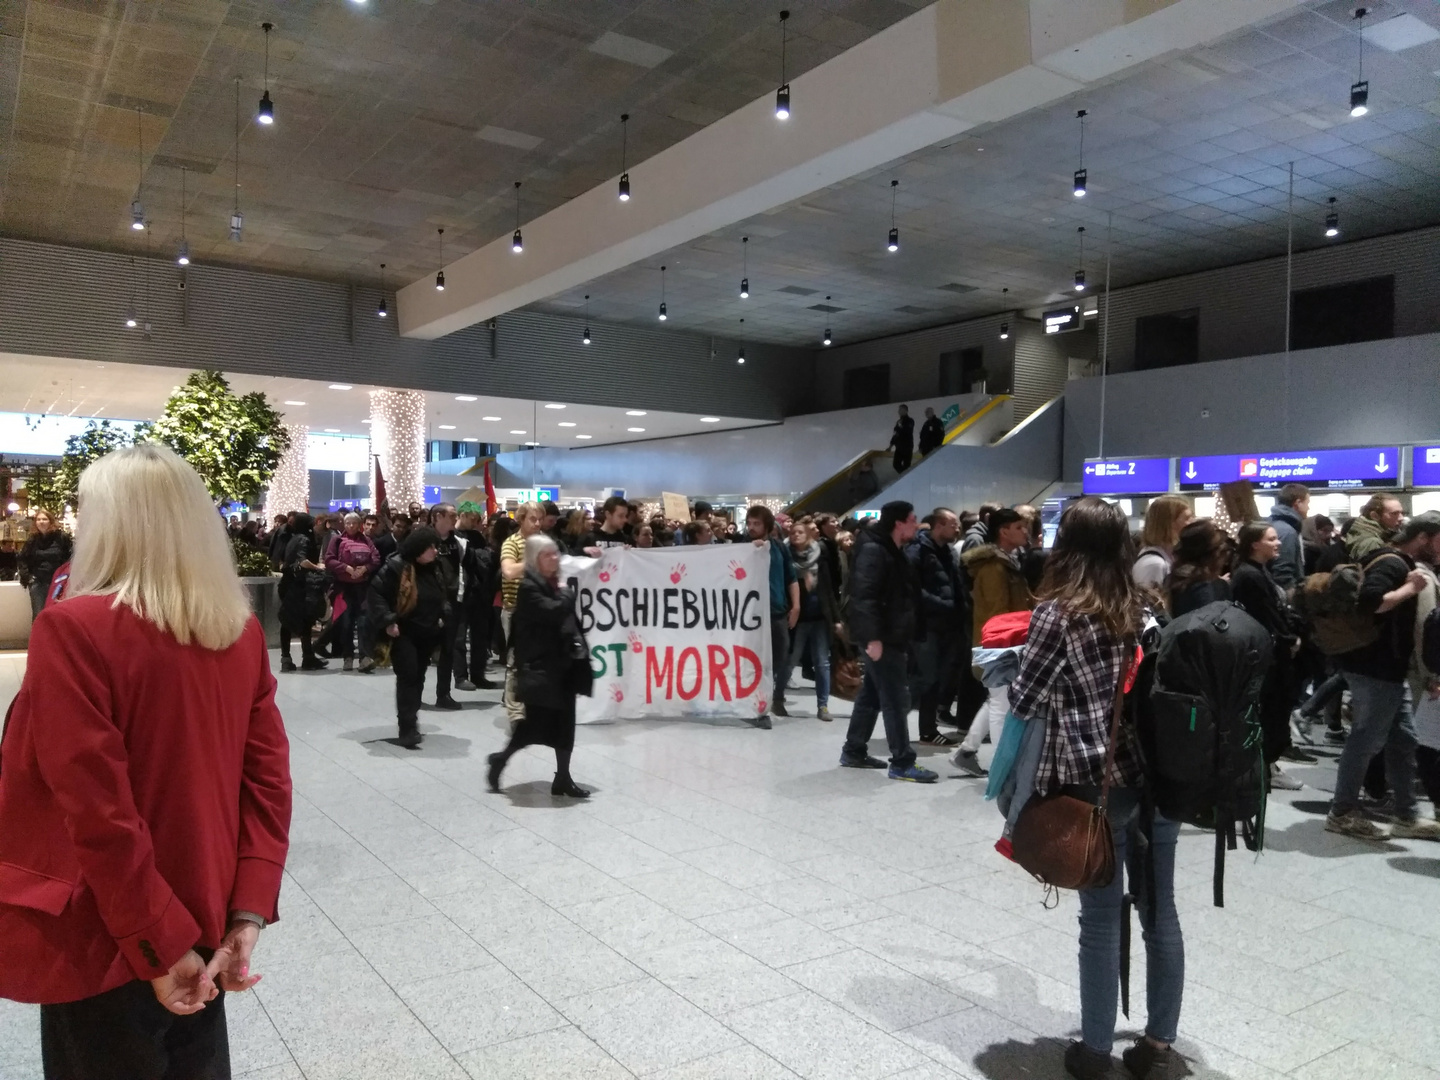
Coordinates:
<point>842,490</point>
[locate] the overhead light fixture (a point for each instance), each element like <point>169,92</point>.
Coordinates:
<point>745,268</point>
<point>827,339</point>
<point>1360,88</point>
<point>440,248</point>
<point>585,336</point>
<point>624,146</point>
<point>636,412</point>
<point>566,423</point>
<point>468,438</point>
<point>382,311</point>
<point>1080,273</point>
<point>782,95</point>
<point>663,314</point>
<point>740,356</point>
<point>341,386</point>
<point>518,431</point>
<point>584,436</point>
<point>137,209</point>
<point>517,245</point>
<point>130,320</point>
<point>1082,177</point>
<point>709,419</point>
<point>294,403</point>
<point>635,430</point>
<point>447,427</point>
<point>490,419</point>
<point>332,431</point>
<point>365,421</point>
<point>265,113</point>
<point>1004,326</point>
<point>237,219</point>
<point>1332,220</point>
<point>893,244</point>
<point>182,255</point>
<point>554,405</point>
<point>466,397</point>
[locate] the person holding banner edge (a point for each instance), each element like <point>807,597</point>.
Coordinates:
<point>784,599</point>
<point>882,616</point>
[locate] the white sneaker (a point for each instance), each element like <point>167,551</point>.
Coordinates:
<point>1280,780</point>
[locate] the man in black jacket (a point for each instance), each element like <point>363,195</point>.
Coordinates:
<point>932,433</point>
<point>456,567</point>
<point>902,439</point>
<point>1380,707</point>
<point>943,625</point>
<point>882,624</point>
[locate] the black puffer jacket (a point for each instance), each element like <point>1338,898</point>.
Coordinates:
<point>944,592</point>
<point>432,607</point>
<point>882,591</point>
<point>43,554</point>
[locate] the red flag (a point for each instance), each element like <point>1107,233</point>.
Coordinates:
<point>379,486</point>
<point>491,505</point>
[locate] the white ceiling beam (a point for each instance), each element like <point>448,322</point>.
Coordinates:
<point>950,67</point>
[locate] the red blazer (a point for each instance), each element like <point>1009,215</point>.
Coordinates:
<point>144,795</point>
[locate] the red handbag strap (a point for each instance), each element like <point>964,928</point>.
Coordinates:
<point>1117,712</point>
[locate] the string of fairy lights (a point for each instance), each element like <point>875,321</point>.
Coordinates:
<point>397,441</point>
<point>290,485</point>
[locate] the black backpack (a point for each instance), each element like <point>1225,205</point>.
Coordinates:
<point>1199,723</point>
<point>1430,641</point>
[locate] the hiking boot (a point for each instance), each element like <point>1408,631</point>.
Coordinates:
<point>1085,1064</point>
<point>1354,823</point>
<point>823,714</point>
<point>1146,1061</point>
<point>913,773</point>
<point>939,740</point>
<point>1280,780</point>
<point>1415,828</point>
<point>867,762</point>
<point>968,762</point>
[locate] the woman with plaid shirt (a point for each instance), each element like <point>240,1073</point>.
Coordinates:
<point>1080,637</point>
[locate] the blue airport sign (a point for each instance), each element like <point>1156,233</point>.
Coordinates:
<point>1425,466</point>
<point>1369,466</point>
<point>1126,476</point>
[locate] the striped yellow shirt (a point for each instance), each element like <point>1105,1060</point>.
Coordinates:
<point>512,548</point>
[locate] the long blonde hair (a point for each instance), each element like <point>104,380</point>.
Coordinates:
<point>150,537</point>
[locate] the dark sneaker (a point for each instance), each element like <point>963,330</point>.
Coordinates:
<point>914,773</point>
<point>286,664</point>
<point>486,684</point>
<point>1085,1064</point>
<point>465,684</point>
<point>1335,738</point>
<point>314,664</point>
<point>367,665</point>
<point>1146,1061</point>
<point>778,709</point>
<point>968,762</point>
<point>411,740</point>
<point>763,723</point>
<point>1354,823</point>
<point>867,762</point>
<point>939,740</point>
<point>447,703</point>
<point>1296,754</point>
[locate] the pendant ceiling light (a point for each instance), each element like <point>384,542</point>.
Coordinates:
<point>382,311</point>
<point>1082,177</point>
<point>516,244</point>
<point>440,250</point>
<point>782,95</point>
<point>1360,89</point>
<point>182,256</point>
<point>740,356</point>
<point>265,113</point>
<point>585,337</point>
<point>745,268</point>
<point>1004,326</point>
<point>1332,220</point>
<point>1080,273</point>
<point>893,243</point>
<point>137,209</point>
<point>624,147</point>
<point>827,338</point>
<point>663,314</point>
<point>237,219</point>
<point>130,320</point>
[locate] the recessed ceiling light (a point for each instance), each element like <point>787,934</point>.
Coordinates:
<point>517,431</point>
<point>709,419</point>
<point>584,436</point>
<point>466,397</point>
<point>566,423</point>
<point>341,386</point>
<point>332,431</point>
<point>294,403</point>
<point>554,405</point>
<point>635,412</point>
<point>365,421</point>
<point>469,438</point>
<point>447,427</point>
<point>635,429</point>
<point>491,418</point>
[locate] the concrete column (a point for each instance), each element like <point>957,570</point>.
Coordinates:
<point>397,442</point>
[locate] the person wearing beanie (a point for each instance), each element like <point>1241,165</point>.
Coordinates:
<point>409,606</point>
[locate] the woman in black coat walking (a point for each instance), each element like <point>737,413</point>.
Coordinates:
<point>1255,590</point>
<point>302,593</point>
<point>552,665</point>
<point>408,604</point>
<point>45,551</point>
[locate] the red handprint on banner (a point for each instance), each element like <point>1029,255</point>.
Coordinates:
<point>737,570</point>
<point>636,645</point>
<point>676,573</point>
<point>760,706</point>
<point>616,693</point>
<point>606,570</point>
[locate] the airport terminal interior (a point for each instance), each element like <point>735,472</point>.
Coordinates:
<point>885,317</point>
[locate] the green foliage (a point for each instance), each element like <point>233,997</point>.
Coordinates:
<point>56,486</point>
<point>249,561</point>
<point>234,443</point>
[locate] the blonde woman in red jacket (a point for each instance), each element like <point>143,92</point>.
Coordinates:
<point>144,787</point>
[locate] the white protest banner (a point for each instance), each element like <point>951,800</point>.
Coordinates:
<point>675,631</point>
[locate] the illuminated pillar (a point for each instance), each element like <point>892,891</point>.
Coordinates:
<point>397,441</point>
<point>290,485</point>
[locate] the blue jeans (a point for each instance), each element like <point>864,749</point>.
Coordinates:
<point>814,636</point>
<point>884,689</point>
<point>1100,932</point>
<point>1380,719</point>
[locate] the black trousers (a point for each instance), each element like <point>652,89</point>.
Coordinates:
<point>477,639</point>
<point>450,665</point>
<point>1427,764</point>
<point>125,1034</point>
<point>903,454</point>
<point>410,656</point>
<point>934,658</point>
<point>779,648</point>
<point>307,651</point>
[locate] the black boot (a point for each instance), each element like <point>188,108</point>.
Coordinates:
<point>497,766</point>
<point>286,664</point>
<point>410,737</point>
<point>567,787</point>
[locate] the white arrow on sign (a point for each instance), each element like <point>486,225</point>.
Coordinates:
<point>1089,470</point>
<point>1381,466</point>
<point>1190,471</point>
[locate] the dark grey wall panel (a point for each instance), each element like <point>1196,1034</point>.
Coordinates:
<point>59,301</point>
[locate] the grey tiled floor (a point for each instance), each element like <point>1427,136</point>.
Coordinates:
<point>730,904</point>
